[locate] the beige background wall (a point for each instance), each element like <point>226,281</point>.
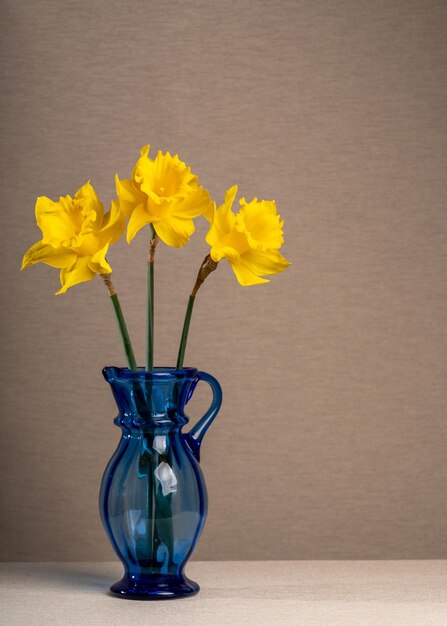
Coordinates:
<point>332,439</point>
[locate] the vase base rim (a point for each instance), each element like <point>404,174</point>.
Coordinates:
<point>169,588</point>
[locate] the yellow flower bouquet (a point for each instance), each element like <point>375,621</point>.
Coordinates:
<point>153,498</point>
<point>165,195</point>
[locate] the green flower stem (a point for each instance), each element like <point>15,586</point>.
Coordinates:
<point>121,323</point>
<point>150,302</point>
<point>206,268</point>
<point>150,317</point>
<point>184,339</point>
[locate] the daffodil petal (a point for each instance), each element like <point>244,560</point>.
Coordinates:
<point>92,208</point>
<point>143,169</point>
<point>196,203</point>
<point>129,195</point>
<point>230,195</point>
<point>44,253</point>
<point>244,275</point>
<point>264,262</point>
<point>98,263</point>
<point>113,224</point>
<point>55,219</point>
<point>139,218</point>
<point>174,231</point>
<point>223,219</point>
<point>224,252</point>
<point>78,272</point>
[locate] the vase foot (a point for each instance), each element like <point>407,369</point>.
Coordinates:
<point>154,587</point>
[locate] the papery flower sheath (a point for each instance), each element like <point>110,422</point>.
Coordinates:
<point>250,240</point>
<point>76,236</point>
<point>165,193</point>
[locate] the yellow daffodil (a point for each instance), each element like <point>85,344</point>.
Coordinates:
<point>165,193</point>
<point>250,240</point>
<point>75,236</point>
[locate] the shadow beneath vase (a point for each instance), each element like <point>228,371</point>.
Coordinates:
<point>91,577</point>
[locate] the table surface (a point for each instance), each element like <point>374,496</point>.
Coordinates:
<point>277,593</point>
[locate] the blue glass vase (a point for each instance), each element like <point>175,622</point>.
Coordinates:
<point>153,499</point>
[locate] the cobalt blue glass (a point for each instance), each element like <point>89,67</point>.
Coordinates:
<point>153,500</point>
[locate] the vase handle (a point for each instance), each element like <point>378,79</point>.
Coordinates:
<point>197,432</point>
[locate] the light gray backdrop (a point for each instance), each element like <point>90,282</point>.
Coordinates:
<point>332,438</point>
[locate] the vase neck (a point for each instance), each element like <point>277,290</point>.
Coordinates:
<point>151,400</point>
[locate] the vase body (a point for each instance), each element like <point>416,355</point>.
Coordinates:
<point>153,500</point>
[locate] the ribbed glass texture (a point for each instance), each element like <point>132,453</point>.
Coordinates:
<point>153,499</point>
